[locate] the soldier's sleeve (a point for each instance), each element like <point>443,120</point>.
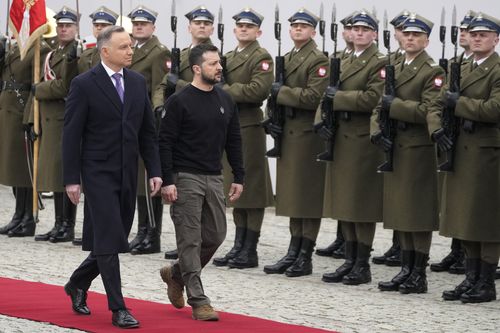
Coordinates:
<point>374,120</point>
<point>435,111</point>
<point>159,93</point>
<point>257,89</point>
<point>363,100</point>
<point>482,110</point>
<point>159,69</point>
<point>416,111</point>
<point>181,84</point>
<point>68,72</point>
<point>309,97</point>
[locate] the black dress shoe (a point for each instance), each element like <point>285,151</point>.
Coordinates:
<point>78,299</point>
<point>172,254</point>
<point>77,242</point>
<point>123,319</point>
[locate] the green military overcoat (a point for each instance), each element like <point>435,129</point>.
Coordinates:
<point>353,189</point>
<point>300,178</point>
<point>88,59</point>
<point>13,113</point>
<point>471,193</point>
<point>410,201</point>
<point>50,95</point>
<point>151,60</point>
<point>249,75</point>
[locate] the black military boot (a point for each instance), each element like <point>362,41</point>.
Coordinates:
<point>152,241</point>
<point>66,232</point>
<point>27,226</point>
<point>247,257</point>
<point>417,282</point>
<point>281,266</point>
<point>351,249</point>
<point>239,239</point>
<point>360,272</point>
<point>172,254</point>
<point>333,248</point>
<point>142,220</point>
<point>451,258</point>
<point>497,274</point>
<point>472,267</point>
<point>484,289</point>
<point>459,266</point>
<point>407,262</point>
<point>58,209</point>
<point>303,265</point>
<point>391,257</point>
<point>20,195</point>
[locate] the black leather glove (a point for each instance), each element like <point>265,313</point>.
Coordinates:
<point>324,132</point>
<point>451,99</point>
<point>379,140</point>
<point>172,80</point>
<point>72,53</point>
<point>387,101</point>
<point>330,92</point>
<point>275,89</point>
<point>273,130</point>
<point>30,132</point>
<point>442,140</point>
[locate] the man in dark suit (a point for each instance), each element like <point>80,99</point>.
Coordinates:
<point>108,122</point>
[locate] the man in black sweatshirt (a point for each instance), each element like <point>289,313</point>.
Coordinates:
<point>201,122</point>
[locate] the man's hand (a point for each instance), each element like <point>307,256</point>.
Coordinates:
<point>30,132</point>
<point>442,140</point>
<point>155,185</point>
<point>273,130</point>
<point>235,192</point>
<point>387,101</point>
<point>72,53</point>
<point>275,89</point>
<point>451,99</point>
<point>169,193</point>
<point>172,80</point>
<point>380,140</point>
<point>324,132</point>
<point>73,191</point>
<point>330,92</point>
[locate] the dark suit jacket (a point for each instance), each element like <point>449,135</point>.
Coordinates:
<point>102,139</point>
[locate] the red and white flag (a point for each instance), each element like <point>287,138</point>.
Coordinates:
<point>28,22</point>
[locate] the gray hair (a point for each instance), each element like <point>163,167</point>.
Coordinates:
<point>105,35</point>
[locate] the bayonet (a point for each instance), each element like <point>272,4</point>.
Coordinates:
<point>334,30</point>
<point>277,28</point>
<point>220,30</point>
<point>173,23</point>
<point>322,27</point>
<point>443,62</point>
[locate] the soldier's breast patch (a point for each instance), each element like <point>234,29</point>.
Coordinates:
<point>265,66</point>
<point>322,71</point>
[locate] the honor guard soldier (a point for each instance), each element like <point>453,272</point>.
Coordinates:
<point>51,92</point>
<point>150,59</point>
<point>353,190</point>
<point>299,194</point>
<point>336,249</point>
<point>392,257</point>
<point>412,216</point>
<point>249,76</point>
<point>16,79</point>
<point>455,260</point>
<point>201,27</point>
<point>102,18</point>
<point>473,219</point>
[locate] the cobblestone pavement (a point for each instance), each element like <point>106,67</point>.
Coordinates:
<point>304,300</point>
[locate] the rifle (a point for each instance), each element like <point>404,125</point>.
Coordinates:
<point>175,59</point>
<point>385,123</point>
<point>443,62</point>
<point>327,114</point>
<point>220,34</point>
<point>276,112</point>
<point>449,121</point>
<point>322,24</point>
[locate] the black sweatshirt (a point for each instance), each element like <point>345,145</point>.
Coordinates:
<point>197,127</point>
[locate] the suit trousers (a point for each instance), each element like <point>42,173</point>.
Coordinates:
<point>108,266</point>
<point>199,217</point>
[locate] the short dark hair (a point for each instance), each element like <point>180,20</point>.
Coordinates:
<point>105,35</point>
<point>197,52</point>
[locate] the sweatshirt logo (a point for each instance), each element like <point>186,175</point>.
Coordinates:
<point>221,110</point>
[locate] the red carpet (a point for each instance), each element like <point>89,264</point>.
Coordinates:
<point>48,303</point>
